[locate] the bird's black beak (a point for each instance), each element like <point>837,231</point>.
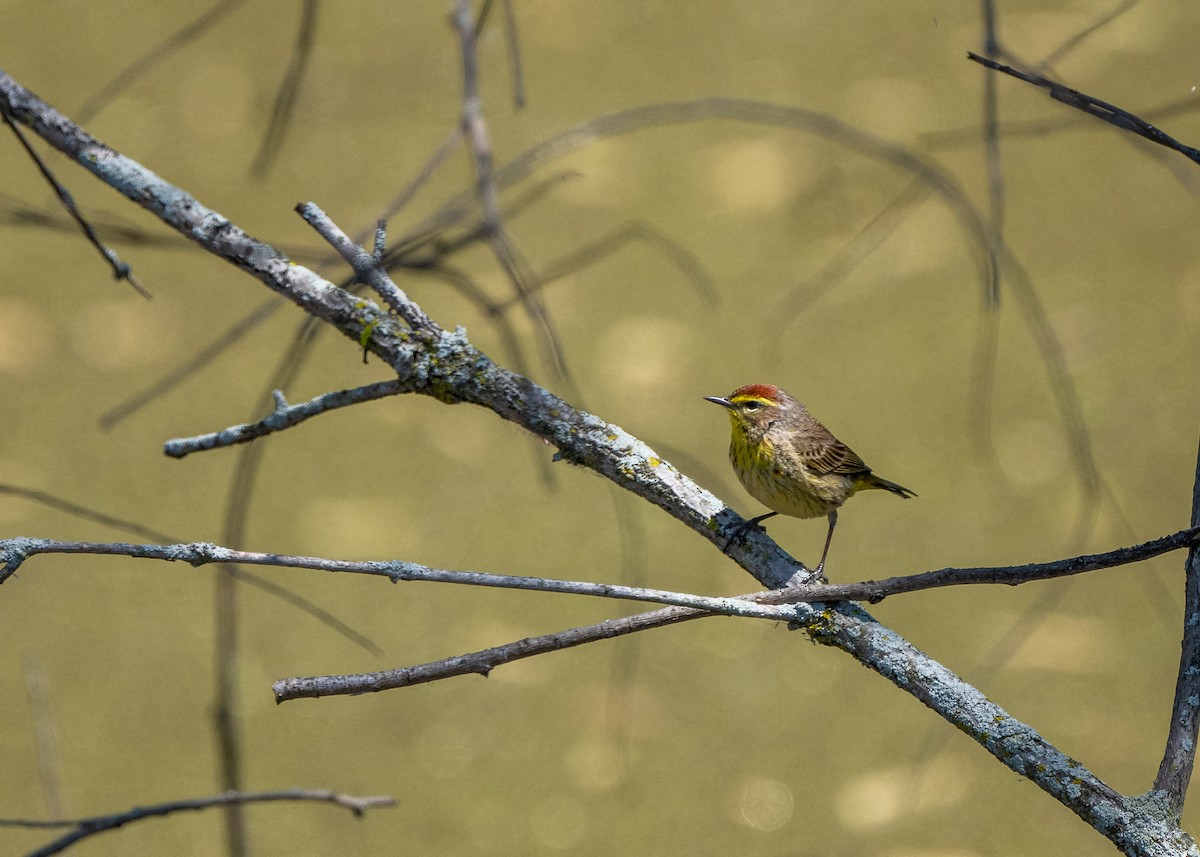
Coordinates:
<point>717,400</point>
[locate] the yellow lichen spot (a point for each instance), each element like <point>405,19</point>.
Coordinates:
<point>364,336</point>
<point>654,462</point>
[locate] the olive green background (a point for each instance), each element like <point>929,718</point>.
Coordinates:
<point>714,737</point>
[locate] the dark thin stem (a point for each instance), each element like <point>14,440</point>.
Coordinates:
<point>991,135</point>
<point>876,590</point>
<point>121,270</point>
<point>476,133</point>
<point>226,705</point>
<point>86,827</point>
<point>187,33</point>
<point>1078,38</point>
<point>1110,113</point>
<point>1175,771</point>
<point>110,418</point>
<point>516,67</point>
<point>289,89</point>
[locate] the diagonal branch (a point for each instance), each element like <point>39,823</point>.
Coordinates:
<point>1093,106</point>
<point>121,270</point>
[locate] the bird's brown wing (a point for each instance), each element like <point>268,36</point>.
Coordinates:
<point>824,456</point>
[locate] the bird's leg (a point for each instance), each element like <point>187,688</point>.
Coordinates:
<point>828,539</point>
<point>746,527</point>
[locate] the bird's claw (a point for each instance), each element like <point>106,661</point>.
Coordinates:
<point>739,535</point>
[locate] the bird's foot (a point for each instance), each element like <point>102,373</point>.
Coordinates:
<point>743,530</point>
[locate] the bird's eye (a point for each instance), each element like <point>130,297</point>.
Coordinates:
<point>752,405</point>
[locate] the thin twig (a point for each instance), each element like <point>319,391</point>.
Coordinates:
<point>14,552</point>
<point>503,248</point>
<point>874,591</point>
<point>968,136</point>
<point>110,418</point>
<point>617,239</point>
<point>121,270</point>
<point>481,662</point>
<point>1110,113</point>
<point>515,65</point>
<point>85,827</point>
<point>1179,756</point>
<point>289,90</point>
<point>284,416</point>
<point>366,267</point>
<point>187,33</point>
<point>991,135</point>
<point>1078,38</point>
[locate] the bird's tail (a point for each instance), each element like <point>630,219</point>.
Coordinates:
<point>873,481</point>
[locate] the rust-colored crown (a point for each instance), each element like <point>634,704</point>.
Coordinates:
<point>758,391</point>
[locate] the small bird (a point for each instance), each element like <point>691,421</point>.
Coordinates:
<point>791,463</point>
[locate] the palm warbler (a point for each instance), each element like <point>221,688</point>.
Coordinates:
<point>791,463</point>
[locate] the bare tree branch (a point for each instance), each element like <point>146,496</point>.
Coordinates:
<point>366,267</point>
<point>1179,757</point>
<point>476,133</point>
<point>85,827</point>
<point>14,552</point>
<point>121,270</point>
<point>1093,106</point>
<point>284,416</point>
